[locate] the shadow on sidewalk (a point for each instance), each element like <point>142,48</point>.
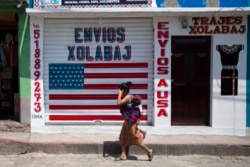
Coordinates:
<point>111,148</point>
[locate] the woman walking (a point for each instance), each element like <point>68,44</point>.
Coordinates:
<point>129,135</point>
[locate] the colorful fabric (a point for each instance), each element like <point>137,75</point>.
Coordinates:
<point>229,82</point>
<point>136,100</point>
<point>130,113</point>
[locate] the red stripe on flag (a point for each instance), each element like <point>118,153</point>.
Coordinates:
<point>87,96</point>
<point>81,97</point>
<point>116,65</point>
<point>113,86</point>
<point>83,107</point>
<point>90,117</point>
<point>86,107</point>
<point>115,75</point>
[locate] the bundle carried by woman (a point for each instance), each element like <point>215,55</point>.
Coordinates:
<point>130,111</point>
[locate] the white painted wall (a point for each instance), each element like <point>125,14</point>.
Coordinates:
<point>228,113</point>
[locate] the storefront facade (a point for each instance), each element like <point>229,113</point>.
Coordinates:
<point>14,61</point>
<point>189,66</point>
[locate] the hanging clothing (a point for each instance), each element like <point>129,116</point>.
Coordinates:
<point>3,60</point>
<point>11,54</point>
<point>229,73</point>
<point>10,50</point>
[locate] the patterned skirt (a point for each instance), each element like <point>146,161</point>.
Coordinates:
<point>130,135</point>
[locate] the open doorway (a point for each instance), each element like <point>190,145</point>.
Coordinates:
<point>8,65</point>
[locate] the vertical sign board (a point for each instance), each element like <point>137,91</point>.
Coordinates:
<point>162,73</point>
<point>36,72</point>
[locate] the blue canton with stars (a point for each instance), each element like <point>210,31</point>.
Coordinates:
<point>66,76</point>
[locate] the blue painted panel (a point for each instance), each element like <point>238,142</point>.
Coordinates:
<point>160,3</point>
<point>31,4</point>
<point>192,3</point>
<point>233,3</point>
<point>248,73</point>
<point>203,3</point>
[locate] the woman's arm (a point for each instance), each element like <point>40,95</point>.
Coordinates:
<point>121,100</point>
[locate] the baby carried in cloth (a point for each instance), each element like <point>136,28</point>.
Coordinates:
<point>132,111</point>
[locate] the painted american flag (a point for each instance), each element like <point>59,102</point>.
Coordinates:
<point>66,76</point>
<point>88,92</point>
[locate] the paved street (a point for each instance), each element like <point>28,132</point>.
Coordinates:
<point>88,150</point>
<point>93,160</point>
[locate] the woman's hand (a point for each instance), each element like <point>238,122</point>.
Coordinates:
<point>122,98</point>
<point>119,92</point>
<point>119,97</point>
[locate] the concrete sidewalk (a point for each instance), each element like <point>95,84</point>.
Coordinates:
<point>15,138</point>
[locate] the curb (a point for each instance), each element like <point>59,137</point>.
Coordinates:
<point>110,148</point>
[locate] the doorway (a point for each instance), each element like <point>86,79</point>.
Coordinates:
<point>8,65</point>
<point>190,76</point>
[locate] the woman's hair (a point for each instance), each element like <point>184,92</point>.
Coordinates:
<point>125,86</point>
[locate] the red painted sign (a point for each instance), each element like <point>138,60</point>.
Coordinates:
<point>37,66</point>
<point>162,69</point>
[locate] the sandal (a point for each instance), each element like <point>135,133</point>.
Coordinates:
<point>144,133</point>
<point>150,155</point>
<point>120,159</point>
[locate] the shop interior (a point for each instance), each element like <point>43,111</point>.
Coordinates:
<point>8,66</point>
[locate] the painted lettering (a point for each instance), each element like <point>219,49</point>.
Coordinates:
<point>101,53</point>
<point>164,34</point>
<point>161,83</point>
<point>162,68</point>
<point>34,116</point>
<point>229,20</point>
<point>162,103</point>
<point>220,25</point>
<point>163,43</point>
<point>161,94</point>
<point>94,34</point>
<point>218,29</point>
<point>37,71</point>
<point>111,35</point>
<point>162,112</point>
<point>162,26</point>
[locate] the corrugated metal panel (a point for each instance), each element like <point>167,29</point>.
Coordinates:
<point>91,95</point>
